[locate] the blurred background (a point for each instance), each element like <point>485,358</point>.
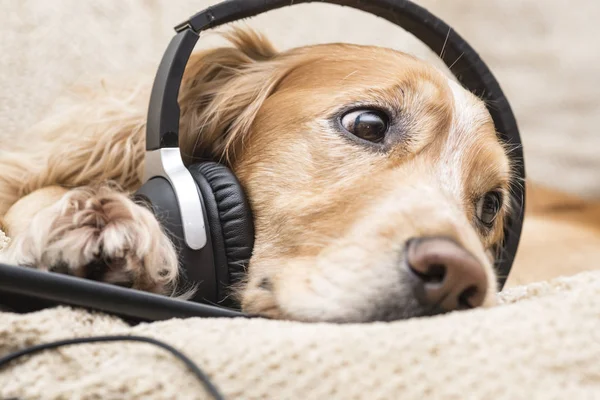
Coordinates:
<point>543,53</point>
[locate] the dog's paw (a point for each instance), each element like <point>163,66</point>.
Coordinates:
<point>100,234</point>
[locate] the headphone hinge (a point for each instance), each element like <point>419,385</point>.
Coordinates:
<point>198,22</point>
<point>183,26</point>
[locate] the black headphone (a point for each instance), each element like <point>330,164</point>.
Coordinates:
<point>203,206</point>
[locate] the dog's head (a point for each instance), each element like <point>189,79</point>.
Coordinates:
<point>379,186</point>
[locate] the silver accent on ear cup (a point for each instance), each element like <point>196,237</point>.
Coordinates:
<point>167,163</point>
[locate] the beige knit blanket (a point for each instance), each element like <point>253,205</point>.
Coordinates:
<point>542,342</point>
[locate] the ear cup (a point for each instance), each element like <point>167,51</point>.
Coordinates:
<point>229,218</point>
<point>197,265</point>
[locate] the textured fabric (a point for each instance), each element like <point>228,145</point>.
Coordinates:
<point>542,342</point>
<point>4,240</point>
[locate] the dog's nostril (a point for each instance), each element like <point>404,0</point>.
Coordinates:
<point>465,299</point>
<point>433,273</point>
<point>445,275</point>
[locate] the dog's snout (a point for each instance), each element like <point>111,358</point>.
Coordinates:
<point>445,275</point>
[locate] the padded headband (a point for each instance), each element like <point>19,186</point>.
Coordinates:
<point>462,60</point>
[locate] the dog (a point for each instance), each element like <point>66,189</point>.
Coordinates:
<point>378,185</point>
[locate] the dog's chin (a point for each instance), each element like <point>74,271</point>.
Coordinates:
<point>337,292</point>
<point>379,308</point>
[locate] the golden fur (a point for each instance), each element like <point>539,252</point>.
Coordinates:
<point>331,216</point>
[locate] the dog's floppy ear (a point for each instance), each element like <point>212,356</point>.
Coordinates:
<point>221,93</point>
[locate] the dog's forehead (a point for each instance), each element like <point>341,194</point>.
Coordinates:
<point>472,153</point>
<point>345,65</point>
<point>470,113</point>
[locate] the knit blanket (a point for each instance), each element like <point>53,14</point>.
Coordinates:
<point>541,342</point>
<point>4,240</point>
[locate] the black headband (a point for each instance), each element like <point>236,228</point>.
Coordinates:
<point>163,113</point>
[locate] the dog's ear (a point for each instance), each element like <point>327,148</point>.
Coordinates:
<point>222,91</point>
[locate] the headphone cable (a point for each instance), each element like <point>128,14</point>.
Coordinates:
<point>202,377</point>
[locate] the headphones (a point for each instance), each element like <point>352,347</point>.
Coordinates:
<point>203,207</point>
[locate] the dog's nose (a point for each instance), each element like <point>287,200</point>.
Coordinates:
<point>445,275</point>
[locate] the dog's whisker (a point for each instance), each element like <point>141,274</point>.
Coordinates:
<point>441,55</point>
<point>349,75</point>
<point>455,61</point>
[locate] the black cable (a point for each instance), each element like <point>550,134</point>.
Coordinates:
<point>208,385</point>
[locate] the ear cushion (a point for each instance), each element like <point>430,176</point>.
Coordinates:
<point>229,219</point>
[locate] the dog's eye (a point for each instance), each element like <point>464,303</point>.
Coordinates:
<point>368,125</point>
<point>488,207</point>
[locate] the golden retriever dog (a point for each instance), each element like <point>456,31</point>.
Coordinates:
<point>378,184</point>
